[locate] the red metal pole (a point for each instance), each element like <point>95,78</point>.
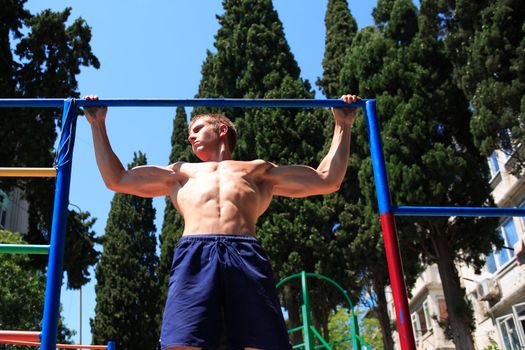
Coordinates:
<point>30,336</point>
<point>395,269</point>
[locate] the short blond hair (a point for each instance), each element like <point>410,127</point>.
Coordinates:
<point>216,119</point>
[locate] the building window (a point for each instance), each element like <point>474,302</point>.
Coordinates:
<point>493,164</point>
<point>519,312</point>
<point>497,259</point>
<point>416,328</point>
<point>421,321</point>
<point>443,313</point>
<point>509,333</point>
<point>426,314</point>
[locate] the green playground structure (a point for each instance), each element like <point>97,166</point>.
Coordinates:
<point>310,334</point>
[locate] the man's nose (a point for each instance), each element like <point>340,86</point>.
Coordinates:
<point>191,139</point>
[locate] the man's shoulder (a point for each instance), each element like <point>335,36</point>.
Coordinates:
<point>261,164</point>
<point>254,167</point>
<point>184,167</point>
<point>176,166</point>
<point>260,167</point>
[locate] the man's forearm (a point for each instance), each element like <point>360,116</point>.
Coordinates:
<point>334,164</point>
<point>108,163</point>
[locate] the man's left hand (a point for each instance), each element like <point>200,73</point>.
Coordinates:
<point>346,116</point>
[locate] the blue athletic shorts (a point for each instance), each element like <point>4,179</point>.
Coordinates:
<point>222,278</point>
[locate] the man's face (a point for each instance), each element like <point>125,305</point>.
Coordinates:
<point>204,138</point>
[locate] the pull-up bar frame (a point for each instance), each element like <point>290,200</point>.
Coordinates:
<point>28,172</point>
<point>191,102</point>
<point>386,210</point>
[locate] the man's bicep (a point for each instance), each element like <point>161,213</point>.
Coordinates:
<point>295,181</point>
<point>148,180</point>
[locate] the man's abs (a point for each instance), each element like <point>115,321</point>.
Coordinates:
<point>221,198</point>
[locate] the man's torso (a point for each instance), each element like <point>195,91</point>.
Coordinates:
<point>223,197</point>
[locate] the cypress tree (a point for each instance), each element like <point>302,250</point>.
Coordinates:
<point>80,242</point>
<point>127,290</point>
<point>359,231</point>
<point>341,28</point>
<point>253,60</point>
<point>487,41</point>
<point>44,63</point>
<point>173,224</point>
<point>357,254</point>
<point>429,151</point>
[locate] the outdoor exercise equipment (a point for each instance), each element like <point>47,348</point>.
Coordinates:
<point>30,338</point>
<point>387,211</point>
<point>309,331</point>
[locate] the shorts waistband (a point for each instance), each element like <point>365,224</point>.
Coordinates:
<point>218,237</point>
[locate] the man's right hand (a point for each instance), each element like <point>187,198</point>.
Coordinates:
<point>95,114</point>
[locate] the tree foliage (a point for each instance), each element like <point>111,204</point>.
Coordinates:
<point>341,28</point>
<point>487,42</point>
<point>22,292</point>
<point>430,153</point>
<point>127,290</point>
<point>359,230</point>
<point>80,243</point>
<point>369,328</point>
<point>45,61</point>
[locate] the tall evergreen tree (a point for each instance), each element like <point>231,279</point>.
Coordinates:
<point>80,242</point>
<point>45,62</point>
<point>173,224</point>
<point>428,148</point>
<point>360,251</point>
<point>253,60</point>
<point>127,290</point>
<point>487,41</point>
<point>341,28</point>
<point>360,231</point>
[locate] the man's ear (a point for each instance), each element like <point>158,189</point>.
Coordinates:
<point>223,130</point>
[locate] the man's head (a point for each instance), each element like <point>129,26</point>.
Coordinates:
<point>218,123</point>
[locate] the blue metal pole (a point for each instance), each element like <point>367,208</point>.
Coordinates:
<point>58,230</point>
<point>458,211</point>
<point>378,159</point>
<point>32,102</point>
<point>195,102</point>
<point>112,346</point>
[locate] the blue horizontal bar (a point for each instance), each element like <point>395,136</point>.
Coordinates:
<point>458,211</point>
<point>194,102</point>
<point>31,102</point>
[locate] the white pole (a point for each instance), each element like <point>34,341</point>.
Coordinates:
<point>80,342</point>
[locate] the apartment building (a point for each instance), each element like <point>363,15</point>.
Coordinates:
<point>497,294</point>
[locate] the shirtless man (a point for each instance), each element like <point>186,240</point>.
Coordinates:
<point>220,271</point>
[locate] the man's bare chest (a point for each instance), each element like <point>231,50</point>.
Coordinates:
<point>219,184</point>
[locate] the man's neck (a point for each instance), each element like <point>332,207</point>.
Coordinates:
<point>221,154</point>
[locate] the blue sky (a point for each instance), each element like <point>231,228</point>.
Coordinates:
<point>155,49</point>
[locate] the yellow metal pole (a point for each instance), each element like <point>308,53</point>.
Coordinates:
<point>28,172</point>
